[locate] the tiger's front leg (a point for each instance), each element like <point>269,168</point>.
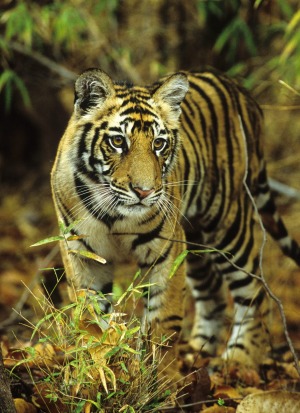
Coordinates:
<point>87,277</point>
<point>164,311</point>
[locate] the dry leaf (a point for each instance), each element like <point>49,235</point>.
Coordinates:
<point>248,376</point>
<point>226,392</point>
<point>11,287</point>
<point>217,379</point>
<point>45,352</point>
<point>250,390</point>
<point>219,409</point>
<point>271,402</point>
<point>24,407</point>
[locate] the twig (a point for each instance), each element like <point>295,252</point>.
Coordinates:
<point>67,74</point>
<point>45,61</point>
<point>183,406</point>
<point>283,189</point>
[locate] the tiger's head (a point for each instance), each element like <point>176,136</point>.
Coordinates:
<point>127,139</point>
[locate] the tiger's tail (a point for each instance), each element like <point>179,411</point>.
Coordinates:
<point>272,220</point>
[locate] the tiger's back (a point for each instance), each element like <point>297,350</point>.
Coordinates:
<point>147,172</point>
<point>220,128</point>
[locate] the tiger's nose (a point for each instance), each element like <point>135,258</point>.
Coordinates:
<point>142,193</point>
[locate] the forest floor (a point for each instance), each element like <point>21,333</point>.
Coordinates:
<point>27,216</point>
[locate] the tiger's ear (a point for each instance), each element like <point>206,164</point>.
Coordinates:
<point>92,88</point>
<point>172,92</point>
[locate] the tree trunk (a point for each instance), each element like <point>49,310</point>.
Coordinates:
<point>7,403</point>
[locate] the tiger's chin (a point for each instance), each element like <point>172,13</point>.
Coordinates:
<point>134,210</point>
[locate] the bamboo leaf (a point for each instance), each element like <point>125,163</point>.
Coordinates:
<point>181,257</point>
<point>88,254</point>
<point>178,261</point>
<point>48,241</point>
<point>294,22</point>
<point>75,237</point>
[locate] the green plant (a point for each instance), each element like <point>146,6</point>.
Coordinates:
<point>85,368</point>
<point>10,81</point>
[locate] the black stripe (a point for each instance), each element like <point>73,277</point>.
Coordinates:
<point>186,174</point>
<point>158,260</point>
<point>66,214</point>
<point>151,217</point>
<point>248,302</point>
<point>231,232</point>
<point>204,283</point>
<point>82,144</point>
<point>203,298</point>
<point>210,105</point>
<point>174,152</point>
<point>92,158</point>
<point>107,288</point>
<point>216,178</point>
<point>191,139</point>
<point>213,224</point>
<point>173,317</point>
<point>242,282</point>
<point>212,339</point>
<point>86,196</point>
<point>240,346</point>
<point>243,259</point>
<point>139,110</point>
<point>228,127</point>
<point>293,251</point>
<point>175,328</point>
<point>213,314</point>
<point>147,236</point>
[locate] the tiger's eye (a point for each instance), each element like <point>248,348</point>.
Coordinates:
<point>117,141</point>
<point>159,144</point>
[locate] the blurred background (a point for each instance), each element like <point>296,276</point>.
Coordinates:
<point>44,44</point>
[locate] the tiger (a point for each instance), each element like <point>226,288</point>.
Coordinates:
<point>151,172</point>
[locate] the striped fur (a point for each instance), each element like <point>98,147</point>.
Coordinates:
<point>146,172</point>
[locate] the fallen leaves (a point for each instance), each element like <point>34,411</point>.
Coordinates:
<point>24,407</point>
<point>218,409</point>
<point>271,401</point>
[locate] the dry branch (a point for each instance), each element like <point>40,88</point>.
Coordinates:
<point>44,61</point>
<point>283,189</point>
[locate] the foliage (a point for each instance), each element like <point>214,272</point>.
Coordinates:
<point>276,36</point>
<point>9,80</point>
<point>57,30</point>
<point>78,31</point>
<point>289,61</point>
<point>88,362</point>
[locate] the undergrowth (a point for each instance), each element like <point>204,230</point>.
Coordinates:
<point>86,361</point>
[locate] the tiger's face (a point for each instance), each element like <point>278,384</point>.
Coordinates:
<point>128,140</point>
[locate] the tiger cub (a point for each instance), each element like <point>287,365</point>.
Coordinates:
<point>148,172</point>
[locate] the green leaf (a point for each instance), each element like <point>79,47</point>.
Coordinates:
<point>88,254</point>
<point>9,81</point>
<point>65,230</point>
<point>181,257</point>
<point>178,261</point>
<point>20,86</point>
<point>75,237</point>
<point>19,24</point>
<point>48,240</point>
<point>132,331</point>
